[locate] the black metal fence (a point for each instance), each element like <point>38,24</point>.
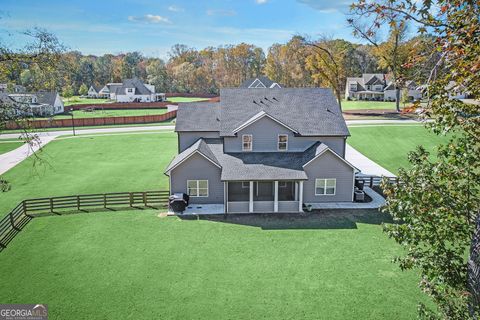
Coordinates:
<point>19,217</point>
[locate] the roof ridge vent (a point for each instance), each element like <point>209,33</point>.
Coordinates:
<point>275,99</point>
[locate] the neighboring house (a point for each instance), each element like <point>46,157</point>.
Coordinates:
<point>41,103</point>
<point>263,150</point>
<point>377,87</point>
<point>16,88</point>
<point>457,92</point>
<point>259,83</point>
<point>94,91</point>
<point>131,90</point>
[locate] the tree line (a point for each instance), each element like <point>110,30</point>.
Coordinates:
<point>296,63</point>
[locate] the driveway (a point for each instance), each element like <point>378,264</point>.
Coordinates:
<point>364,164</point>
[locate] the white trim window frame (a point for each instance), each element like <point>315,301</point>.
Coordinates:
<point>284,143</point>
<point>247,145</point>
<point>245,184</point>
<point>282,184</point>
<point>197,188</point>
<point>327,187</point>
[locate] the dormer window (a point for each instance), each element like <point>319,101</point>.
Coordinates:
<point>130,90</point>
<point>282,142</point>
<point>247,141</point>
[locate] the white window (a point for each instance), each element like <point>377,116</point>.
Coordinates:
<point>282,184</point>
<point>247,141</point>
<point>197,188</point>
<point>325,187</point>
<point>129,90</point>
<point>245,184</point>
<point>282,142</point>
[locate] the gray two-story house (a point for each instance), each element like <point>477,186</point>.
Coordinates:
<point>263,150</point>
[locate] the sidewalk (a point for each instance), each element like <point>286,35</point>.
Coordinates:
<point>11,159</point>
<point>364,164</point>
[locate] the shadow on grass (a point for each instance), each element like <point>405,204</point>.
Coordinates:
<point>320,219</point>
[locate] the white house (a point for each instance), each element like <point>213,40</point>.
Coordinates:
<point>41,103</point>
<point>131,90</point>
<point>94,92</point>
<point>377,87</point>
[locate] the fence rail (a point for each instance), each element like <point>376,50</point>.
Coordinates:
<point>372,181</point>
<point>19,217</point>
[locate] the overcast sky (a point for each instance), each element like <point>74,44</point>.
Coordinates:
<point>153,26</point>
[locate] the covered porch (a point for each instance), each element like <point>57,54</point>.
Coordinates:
<point>264,196</point>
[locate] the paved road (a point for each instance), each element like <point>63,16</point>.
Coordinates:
<point>364,164</point>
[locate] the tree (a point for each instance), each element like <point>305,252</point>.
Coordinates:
<point>67,91</point>
<point>392,52</point>
<point>83,89</point>
<point>436,205</point>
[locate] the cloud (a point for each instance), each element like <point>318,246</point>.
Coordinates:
<point>221,12</point>
<point>327,6</point>
<point>175,8</point>
<point>261,1</point>
<point>149,18</point>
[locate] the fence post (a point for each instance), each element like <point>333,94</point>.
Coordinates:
<point>51,205</point>
<point>131,199</point>
<point>24,207</point>
<point>371,182</point>
<point>12,221</point>
<point>105,200</point>
<point>145,199</point>
<point>78,203</point>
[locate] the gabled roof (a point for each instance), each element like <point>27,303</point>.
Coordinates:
<point>259,82</point>
<point>259,116</point>
<point>308,111</point>
<point>96,88</point>
<point>321,149</point>
<point>199,147</point>
<point>198,116</point>
<point>46,97</point>
<point>140,88</point>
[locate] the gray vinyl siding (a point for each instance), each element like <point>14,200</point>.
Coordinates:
<point>265,137</point>
<point>325,167</point>
<point>238,207</point>
<point>186,139</point>
<point>198,168</point>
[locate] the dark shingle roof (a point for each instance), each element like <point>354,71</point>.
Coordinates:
<point>45,97</point>
<point>266,82</point>
<point>310,111</point>
<point>140,88</point>
<point>199,146</point>
<point>198,116</point>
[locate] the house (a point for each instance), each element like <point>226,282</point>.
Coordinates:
<point>42,103</point>
<point>94,92</point>
<point>377,87</point>
<point>263,150</point>
<point>16,88</point>
<point>131,90</point>
<point>261,82</point>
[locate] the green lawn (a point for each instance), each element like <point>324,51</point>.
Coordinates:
<point>186,99</point>
<point>356,105</point>
<point>78,100</point>
<point>389,145</point>
<point>111,113</point>
<point>135,265</point>
<point>92,165</point>
<point>9,146</point>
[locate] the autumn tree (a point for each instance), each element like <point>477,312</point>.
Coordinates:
<point>391,53</point>
<point>436,205</point>
<point>83,90</point>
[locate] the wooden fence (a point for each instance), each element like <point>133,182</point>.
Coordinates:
<point>83,122</point>
<point>121,105</point>
<point>26,210</point>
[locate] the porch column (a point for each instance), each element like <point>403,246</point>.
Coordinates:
<point>300,196</point>
<point>275,197</point>
<point>250,199</point>
<point>296,191</point>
